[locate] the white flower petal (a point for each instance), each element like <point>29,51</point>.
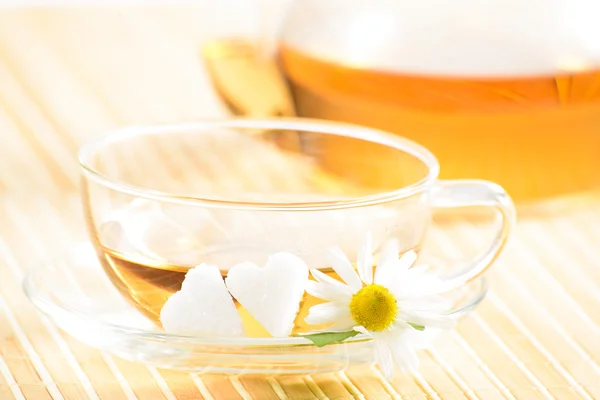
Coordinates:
<point>425,303</point>
<point>362,330</point>
<point>407,260</point>
<point>203,306</point>
<point>383,358</point>
<point>343,325</point>
<point>401,325</point>
<point>364,262</point>
<point>404,355</point>
<point>324,278</point>
<point>416,285</point>
<point>395,281</point>
<point>390,247</point>
<point>340,294</point>
<point>384,273</point>
<point>327,313</point>
<point>419,340</point>
<point>271,294</point>
<point>418,270</point>
<point>342,266</point>
<point>394,272</point>
<point>421,273</point>
<point>429,320</point>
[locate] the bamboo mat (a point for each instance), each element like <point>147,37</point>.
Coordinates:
<point>66,75</point>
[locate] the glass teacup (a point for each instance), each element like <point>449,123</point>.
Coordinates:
<point>162,199</point>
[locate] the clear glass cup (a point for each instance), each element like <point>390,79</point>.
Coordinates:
<point>161,199</point>
<point>500,90</point>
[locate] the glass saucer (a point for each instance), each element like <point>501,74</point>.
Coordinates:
<point>73,292</point>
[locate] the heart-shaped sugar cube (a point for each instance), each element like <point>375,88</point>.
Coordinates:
<point>203,306</point>
<point>271,294</point>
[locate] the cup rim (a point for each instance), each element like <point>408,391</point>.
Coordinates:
<point>87,150</point>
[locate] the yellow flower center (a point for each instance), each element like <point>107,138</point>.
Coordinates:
<point>374,307</point>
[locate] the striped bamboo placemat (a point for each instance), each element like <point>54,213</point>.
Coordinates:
<point>68,74</point>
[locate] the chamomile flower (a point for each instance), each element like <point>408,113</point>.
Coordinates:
<point>386,304</point>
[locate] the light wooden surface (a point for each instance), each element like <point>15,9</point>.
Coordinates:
<point>67,75</point>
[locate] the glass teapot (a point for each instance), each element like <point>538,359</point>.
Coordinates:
<point>502,90</point>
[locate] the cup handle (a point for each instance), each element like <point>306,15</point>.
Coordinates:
<point>476,193</point>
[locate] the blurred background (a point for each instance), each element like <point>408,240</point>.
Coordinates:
<point>502,90</point>
<point>510,94</point>
<point>70,70</point>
